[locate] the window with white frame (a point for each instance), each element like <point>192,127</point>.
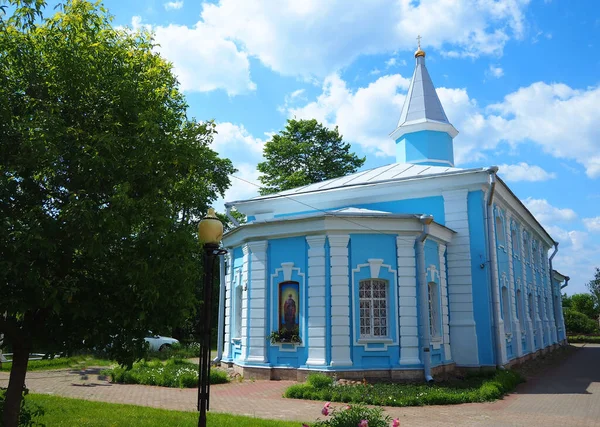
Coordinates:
<point>373,303</point>
<point>531,308</point>
<point>500,234</point>
<point>526,247</point>
<point>506,310</point>
<point>237,307</point>
<point>519,302</point>
<point>536,253</point>
<point>540,307</point>
<point>434,309</point>
<point>514,235</point>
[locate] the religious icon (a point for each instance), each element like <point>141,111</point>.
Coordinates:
<point>289,305</point>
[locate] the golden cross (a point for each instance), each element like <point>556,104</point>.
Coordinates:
<point>419,41</point>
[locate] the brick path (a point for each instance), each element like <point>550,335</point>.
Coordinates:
<point>568,395</point>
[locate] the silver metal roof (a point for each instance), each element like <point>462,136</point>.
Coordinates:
<point>393,172</point>
<point>422,102</point>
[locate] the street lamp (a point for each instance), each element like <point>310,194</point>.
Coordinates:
<point>210,232</point>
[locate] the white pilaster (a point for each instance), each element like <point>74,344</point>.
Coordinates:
<point>257,290</point>
<point>516,323</point>
<point>527,288</point>
<point>444,294</point>
<point>340,300</point>
<point>407,300</point>
<point>460,281</point>
<point>228,304</point>
<point>550,294</point>
<point>316,301</point>
<point>245,320</point>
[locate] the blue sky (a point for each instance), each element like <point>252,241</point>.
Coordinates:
<point>519,79</point>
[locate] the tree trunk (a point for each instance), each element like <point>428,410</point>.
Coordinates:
<point>14,393</point>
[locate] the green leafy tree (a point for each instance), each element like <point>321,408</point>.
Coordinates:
<point>303,153</point>
<point>594,288</point>
<point>102,178</point>
<point>566,301</point>
<point>584,303</point>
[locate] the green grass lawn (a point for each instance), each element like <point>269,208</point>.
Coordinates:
<point>60,363</point>
<point>593,339</point>
<point>64,412</point>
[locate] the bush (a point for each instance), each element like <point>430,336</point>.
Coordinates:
<point>592,339</point>
<point>353,416</point>
<point>579,323</point>
<point>176,351</point>
<point>319,381</point>
<point>173,373</point>
<point>474,388</point>
<point>27,414</point>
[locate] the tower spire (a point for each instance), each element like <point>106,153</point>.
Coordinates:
<point>424,134</point>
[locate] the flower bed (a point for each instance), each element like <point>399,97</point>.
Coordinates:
<point>474,388</point>
<point>173,373</point>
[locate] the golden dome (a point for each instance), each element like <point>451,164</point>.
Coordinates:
<point>419,53</point>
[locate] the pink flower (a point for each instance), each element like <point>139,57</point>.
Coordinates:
<point>396,422</point>
<point>325,410</point>
<point>363,423</point>
<point>305,425</point>
<point>348,407</point>
<point>327,404</point>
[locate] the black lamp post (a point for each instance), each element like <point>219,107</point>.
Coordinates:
<point>210,232</point>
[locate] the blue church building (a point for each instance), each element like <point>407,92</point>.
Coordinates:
<point>405,271</point>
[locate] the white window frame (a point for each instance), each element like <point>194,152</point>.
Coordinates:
<point>433,297</point>
<point>506,315</point>
<point>500,233</point>
<point>369,304</point>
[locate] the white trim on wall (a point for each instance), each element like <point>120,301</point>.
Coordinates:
<point>340,300</point>
<point>317,322</point>
<point>444,293</point>
<point>257,305</point>
<point>407,301</point>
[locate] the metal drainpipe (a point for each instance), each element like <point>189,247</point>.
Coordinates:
<point>221,310</point>
<point>552,289</point>
<point>494,281</point>
<point>567,278</point>
<point>231,218</point>
<point>423,298</point>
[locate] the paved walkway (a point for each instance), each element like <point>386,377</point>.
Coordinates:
<point>568,395</point>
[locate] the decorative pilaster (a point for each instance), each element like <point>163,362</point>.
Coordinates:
<point>245,322</point>
<point>444,294</point>
<point>550,301</point>
<point>407,300</point>
<point>527,287</point>
<point>228,304</point>
<point>257,294</point>
<point>516,323</point>
<point>340,300</point>
<point>463,335</point>
<point>316,301</point>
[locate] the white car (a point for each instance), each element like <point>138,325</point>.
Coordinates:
<point>159,343</point>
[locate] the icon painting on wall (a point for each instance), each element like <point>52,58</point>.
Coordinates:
<point>289,305</point>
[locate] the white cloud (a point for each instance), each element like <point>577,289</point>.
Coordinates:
<point>202,59</point>
<point>172,5</point>
<point>316,38</point>
<point>548,214</point>
<point>495,72</point>
<point>524,172</point>
<point>365,116</point>
<point>592,224</point>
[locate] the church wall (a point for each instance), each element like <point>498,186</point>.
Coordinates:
<point>374,256</point>
<point>287,262</point>
<point>506,288</point>
<point>520,297</point>
<point>481,282</point>
<point>236,304</point>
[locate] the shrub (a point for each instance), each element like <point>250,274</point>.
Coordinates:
<point>176,351</point>
<point>173,373</point>
<point>28,413</point>
<point>579,323</point>
<point>319,381</point>
<point>474,388</point>
<point>353,416</point>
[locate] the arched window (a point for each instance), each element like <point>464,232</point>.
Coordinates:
<point>434,309</point>
<point>536,253</point>
<point>500,234</point>
<point>519,301</point>
<point>506,310</point>
<point>514,235</point>
<point>373,300</point>
<point>540,307</point>
<point>526,247</point>
<point>530,306</point>
<point>237,307</point>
